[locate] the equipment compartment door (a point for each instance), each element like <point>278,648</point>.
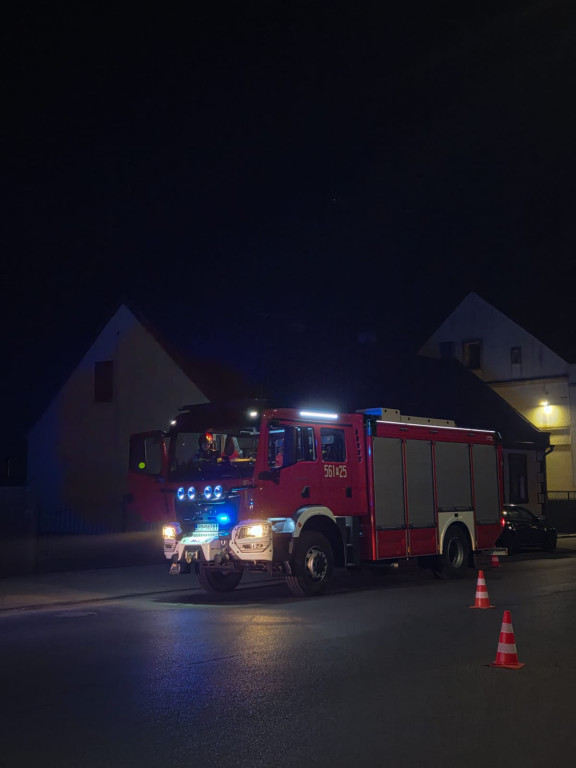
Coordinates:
<point>420,494</point>
<point>389,497</point>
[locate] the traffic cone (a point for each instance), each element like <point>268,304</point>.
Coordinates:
<point>482,599</point>
<point>507,657</point>
<point>495,561</point>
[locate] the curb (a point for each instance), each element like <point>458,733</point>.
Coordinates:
<point>126,596</point>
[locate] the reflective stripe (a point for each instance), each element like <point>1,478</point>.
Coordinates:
<point>507,648</point>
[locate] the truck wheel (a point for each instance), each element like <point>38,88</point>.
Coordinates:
<point>218,581</point>
<point>453,562</point>
<point>312,565</point>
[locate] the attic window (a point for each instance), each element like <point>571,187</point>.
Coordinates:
<point>472,354</point>
<point>103,381</point>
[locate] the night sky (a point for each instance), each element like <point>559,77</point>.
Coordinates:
<point>371,161</point>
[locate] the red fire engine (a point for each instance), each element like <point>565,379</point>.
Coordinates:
<point>298,493</point>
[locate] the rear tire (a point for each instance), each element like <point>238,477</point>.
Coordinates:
<point>453,562</point>
<point>218,581</point>
<point>312,565</point>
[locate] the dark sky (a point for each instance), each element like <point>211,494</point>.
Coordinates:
<point>375,160</point>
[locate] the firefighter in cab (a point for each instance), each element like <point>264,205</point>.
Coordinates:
<point>206,449</point>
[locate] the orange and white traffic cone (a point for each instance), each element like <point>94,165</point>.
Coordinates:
<point>482,599</point>
<point>495,561</point>
<point>507,656</point>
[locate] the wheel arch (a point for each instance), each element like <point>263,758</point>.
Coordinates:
<point>322,520</point>
<point>463,521</point>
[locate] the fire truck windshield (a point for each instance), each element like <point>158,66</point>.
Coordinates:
<point>211,455</point>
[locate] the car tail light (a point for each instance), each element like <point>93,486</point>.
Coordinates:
<point>502,522</point>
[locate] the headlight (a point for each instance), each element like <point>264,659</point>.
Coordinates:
<point>218,491</point>
<point>191,493</point>
<point>208,492</point>
<point>171,531</point>
<point>257,531</point>
<point>180,493</point>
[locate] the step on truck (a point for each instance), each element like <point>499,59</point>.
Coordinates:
<point>299,493</point>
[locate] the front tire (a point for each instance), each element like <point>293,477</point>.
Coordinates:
<point>312,565</point>
<point>218,581</point>
<point>453,562</point>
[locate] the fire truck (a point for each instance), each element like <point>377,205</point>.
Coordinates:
<point>299,493</point>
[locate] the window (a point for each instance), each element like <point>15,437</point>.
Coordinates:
<point>104,381</point>
<point>289,444</point>
<point>516,355</point>
<point>333,444</point>
<point>517,478</point>
<point>447,350</point>
<point>276,439</point>
<point>306,444</point>
<point>472,354</point>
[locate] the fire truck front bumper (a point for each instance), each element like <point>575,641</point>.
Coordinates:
<point>252,540</point>
<point>189,548</point>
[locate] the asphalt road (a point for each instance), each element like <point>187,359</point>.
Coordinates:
<point>393,673</point>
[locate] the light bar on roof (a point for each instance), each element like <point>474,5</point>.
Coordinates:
<point>318,415</point>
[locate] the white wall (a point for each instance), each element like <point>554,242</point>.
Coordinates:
<point>474,318</point>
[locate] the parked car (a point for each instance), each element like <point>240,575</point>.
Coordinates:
<point>524,530</point>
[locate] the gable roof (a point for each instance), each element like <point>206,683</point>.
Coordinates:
<point>540,325</point>
<point>212,372</point>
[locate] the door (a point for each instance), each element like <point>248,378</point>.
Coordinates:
<point>421,512</point>
<point>389,497</point>
<point>530,527</point>
<point>291,479</point>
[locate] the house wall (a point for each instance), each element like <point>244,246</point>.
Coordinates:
<point>541,377</point>
<point>78,450</point>
<point>527,398</point>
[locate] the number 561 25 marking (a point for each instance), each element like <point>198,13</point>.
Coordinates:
<point>332,470</point>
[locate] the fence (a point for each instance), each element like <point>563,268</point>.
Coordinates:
<point>31,542</point>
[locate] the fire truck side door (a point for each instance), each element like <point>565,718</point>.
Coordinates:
<point>292,478</point>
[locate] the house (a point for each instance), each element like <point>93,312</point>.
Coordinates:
<point>531,376</point>
<point>129,380</point>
